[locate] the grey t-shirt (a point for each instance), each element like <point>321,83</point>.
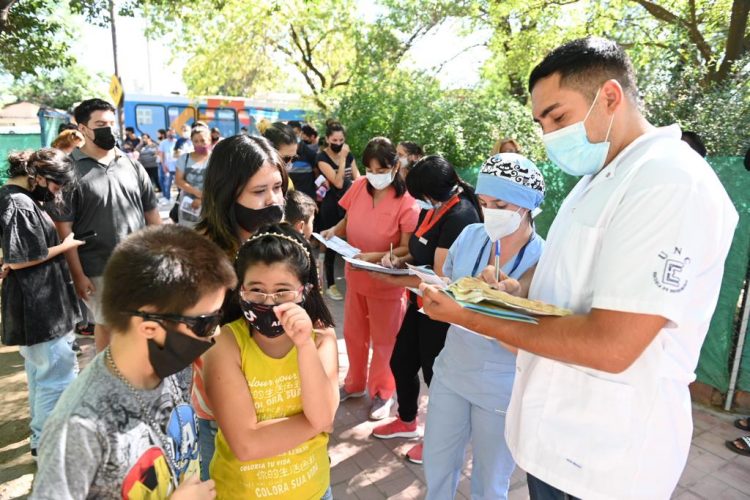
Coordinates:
<point>109,199</point>
<point>195,174</point>
<point>96,443</point>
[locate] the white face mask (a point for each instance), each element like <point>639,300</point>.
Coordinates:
<point>499,222</point>
<point>380,181</point>
<point>403,161</point>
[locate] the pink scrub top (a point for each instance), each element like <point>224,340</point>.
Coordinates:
<point>373,229</point>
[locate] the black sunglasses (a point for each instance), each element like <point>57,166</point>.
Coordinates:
<point>289,159</point>
<point>202,326</point>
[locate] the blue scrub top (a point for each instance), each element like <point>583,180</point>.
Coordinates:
<point>478,368</point>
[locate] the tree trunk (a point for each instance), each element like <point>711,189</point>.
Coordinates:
<point>5,6</point>
<point>736,43</point>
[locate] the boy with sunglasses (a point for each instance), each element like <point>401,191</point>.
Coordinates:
<point>124,428</point>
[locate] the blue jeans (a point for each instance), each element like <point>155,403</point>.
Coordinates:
<point>165,183</point>
<point>207,440</point>
<point>50,367</point>
<point>328,495</point>
<point>453,421</point>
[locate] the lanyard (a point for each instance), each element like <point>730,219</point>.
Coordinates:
<point>516,263</point>
<point>429,221</point>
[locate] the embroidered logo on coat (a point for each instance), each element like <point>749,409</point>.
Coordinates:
<point>670,277</point>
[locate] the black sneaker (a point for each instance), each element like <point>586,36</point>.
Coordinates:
<point>76,348</point>
<point>33,454</point>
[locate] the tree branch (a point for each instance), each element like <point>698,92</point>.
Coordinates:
<point>439,68</point>
<point>420,31</point>
<point>694,33</point>
<point>307,58</point>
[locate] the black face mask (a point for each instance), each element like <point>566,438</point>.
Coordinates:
<point>104,138</point>
<point>41,193</point>
<point>178,353</point>
<point>262,318</point>
<point>251,219</point>
<point>336,148</point>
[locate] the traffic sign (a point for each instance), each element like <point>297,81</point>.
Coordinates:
<point>115,90</point>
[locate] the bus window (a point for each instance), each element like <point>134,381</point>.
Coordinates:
<point>225,119</point>
<point>181,115</point>
<point>149,118</point>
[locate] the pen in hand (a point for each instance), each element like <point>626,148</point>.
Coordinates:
<point>497,261</point>
<point>391,254</point>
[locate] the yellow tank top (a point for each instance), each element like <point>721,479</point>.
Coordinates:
<point>302,473</point>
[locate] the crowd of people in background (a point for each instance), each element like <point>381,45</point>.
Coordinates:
<point>169,408</point>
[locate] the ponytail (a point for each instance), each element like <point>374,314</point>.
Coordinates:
<point>471,195</point>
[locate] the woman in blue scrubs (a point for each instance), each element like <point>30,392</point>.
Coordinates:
<point>473,375</point>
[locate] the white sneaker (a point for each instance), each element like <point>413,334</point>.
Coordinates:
<point>333,293</point>
<point>380,408</point>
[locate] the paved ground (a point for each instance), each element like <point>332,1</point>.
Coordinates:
<point>368,468</point>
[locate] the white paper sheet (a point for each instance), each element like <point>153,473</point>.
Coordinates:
<point>338,245</point>
<point>369,266</point>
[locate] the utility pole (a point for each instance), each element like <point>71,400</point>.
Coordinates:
<point>120,118</point>
<point>148,60</point>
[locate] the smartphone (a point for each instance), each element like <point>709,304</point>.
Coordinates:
<point>85,236</point>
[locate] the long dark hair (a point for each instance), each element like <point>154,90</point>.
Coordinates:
<point>382,150</point>
<point>232,163</point>
<point>435,177</point>
<point>280,134</point>
<point>269,249</point>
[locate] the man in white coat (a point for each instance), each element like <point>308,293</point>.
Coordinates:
<point>600,405</point>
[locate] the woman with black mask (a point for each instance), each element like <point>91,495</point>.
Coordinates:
<point>336,163</point>
<point>244,189</point>
<point>39,303</point>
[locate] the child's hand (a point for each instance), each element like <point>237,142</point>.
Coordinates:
<point>297,324</point>
<point>193,488</point>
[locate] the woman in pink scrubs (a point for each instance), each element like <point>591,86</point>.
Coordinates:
<point>379,213</point>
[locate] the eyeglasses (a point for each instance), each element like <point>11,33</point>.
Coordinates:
<point>289,159</point>
<point>202,326</point>
<point>277,298</point>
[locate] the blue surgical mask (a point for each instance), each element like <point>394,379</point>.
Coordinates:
<point>569,148</point>
<point>425,205</point>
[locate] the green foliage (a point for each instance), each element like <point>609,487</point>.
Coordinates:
<point>33,39</point>
<point>718,112</point>
<point>241,48</point>
<point>60,88</point>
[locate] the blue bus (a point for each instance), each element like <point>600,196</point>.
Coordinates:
<point>148,113</point>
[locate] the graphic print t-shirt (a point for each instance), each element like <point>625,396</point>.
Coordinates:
<point>96,443</point>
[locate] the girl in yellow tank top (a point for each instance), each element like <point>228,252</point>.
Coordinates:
<point>271,379</point>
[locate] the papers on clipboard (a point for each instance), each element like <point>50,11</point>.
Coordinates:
<point>498,312</point>
<point>338,245</point>
<point>427,276</point>
<point>369,266</point>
